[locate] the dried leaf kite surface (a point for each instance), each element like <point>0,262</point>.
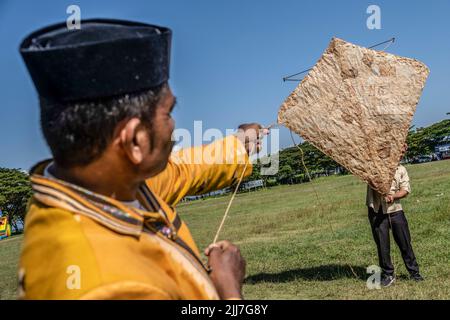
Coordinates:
<point>356,106</point>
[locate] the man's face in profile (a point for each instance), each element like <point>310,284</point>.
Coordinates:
<point>160,134</point>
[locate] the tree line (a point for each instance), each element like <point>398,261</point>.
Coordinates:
<point>421,141</point>
<point>15,191</point>
<point>15,187</point>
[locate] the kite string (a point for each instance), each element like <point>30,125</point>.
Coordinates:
<point>233,195</point>
<point>302,158</point>
<point>317,195</point>
<point>242,177</point>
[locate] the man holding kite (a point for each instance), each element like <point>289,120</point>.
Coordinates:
<point>387,213</point>
<point>101,223</point>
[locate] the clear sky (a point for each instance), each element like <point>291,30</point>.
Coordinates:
<point>228,57</point>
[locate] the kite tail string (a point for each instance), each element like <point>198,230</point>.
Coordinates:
<point>315,191</point>
<point>304,165</point>
<point>233,195</point>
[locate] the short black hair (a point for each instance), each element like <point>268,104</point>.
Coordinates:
<point>78,133</point>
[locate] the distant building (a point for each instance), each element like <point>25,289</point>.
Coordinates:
<point>206,195</point>
<point>245,186</point>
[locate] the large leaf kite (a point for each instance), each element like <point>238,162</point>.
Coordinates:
<point>356,106</point>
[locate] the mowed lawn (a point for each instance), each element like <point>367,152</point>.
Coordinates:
<point>301,247</point>
<point>9,256</point>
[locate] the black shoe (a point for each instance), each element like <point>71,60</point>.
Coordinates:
<point>387,280</point>
<point>417,277</point>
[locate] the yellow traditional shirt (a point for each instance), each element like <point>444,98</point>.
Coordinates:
<point>401,182</point>
<point>82,245</point>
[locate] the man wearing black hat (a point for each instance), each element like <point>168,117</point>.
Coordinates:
<point>101,223</point>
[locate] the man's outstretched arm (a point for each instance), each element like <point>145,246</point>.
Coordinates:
<point>208,167</point>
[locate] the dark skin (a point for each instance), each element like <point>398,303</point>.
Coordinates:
<point>134,156</point>
<point>227,268</point>
<point>131,155</point>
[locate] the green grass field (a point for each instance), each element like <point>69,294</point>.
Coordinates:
<point>297,247</point>
<point>9,256</point>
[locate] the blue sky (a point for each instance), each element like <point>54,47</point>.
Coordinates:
<point>228,57</point>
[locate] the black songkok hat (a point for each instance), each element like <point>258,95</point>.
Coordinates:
<point>104,58</point>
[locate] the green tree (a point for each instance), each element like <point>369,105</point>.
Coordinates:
<point>15,191</point>
<point>285,174</point>
<point>256,172</point>
<point>423,140</point>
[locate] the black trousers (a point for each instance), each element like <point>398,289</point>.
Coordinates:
<point>380,229</point>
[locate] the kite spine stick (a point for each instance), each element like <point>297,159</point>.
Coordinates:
<point>290,77</point>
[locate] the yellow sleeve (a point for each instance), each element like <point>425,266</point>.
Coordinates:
<point>126,290</point>
<point>201,169</point>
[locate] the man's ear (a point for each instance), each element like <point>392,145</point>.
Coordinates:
<point>134,140</point>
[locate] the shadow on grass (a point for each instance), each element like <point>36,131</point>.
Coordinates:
<point>319,273</point>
